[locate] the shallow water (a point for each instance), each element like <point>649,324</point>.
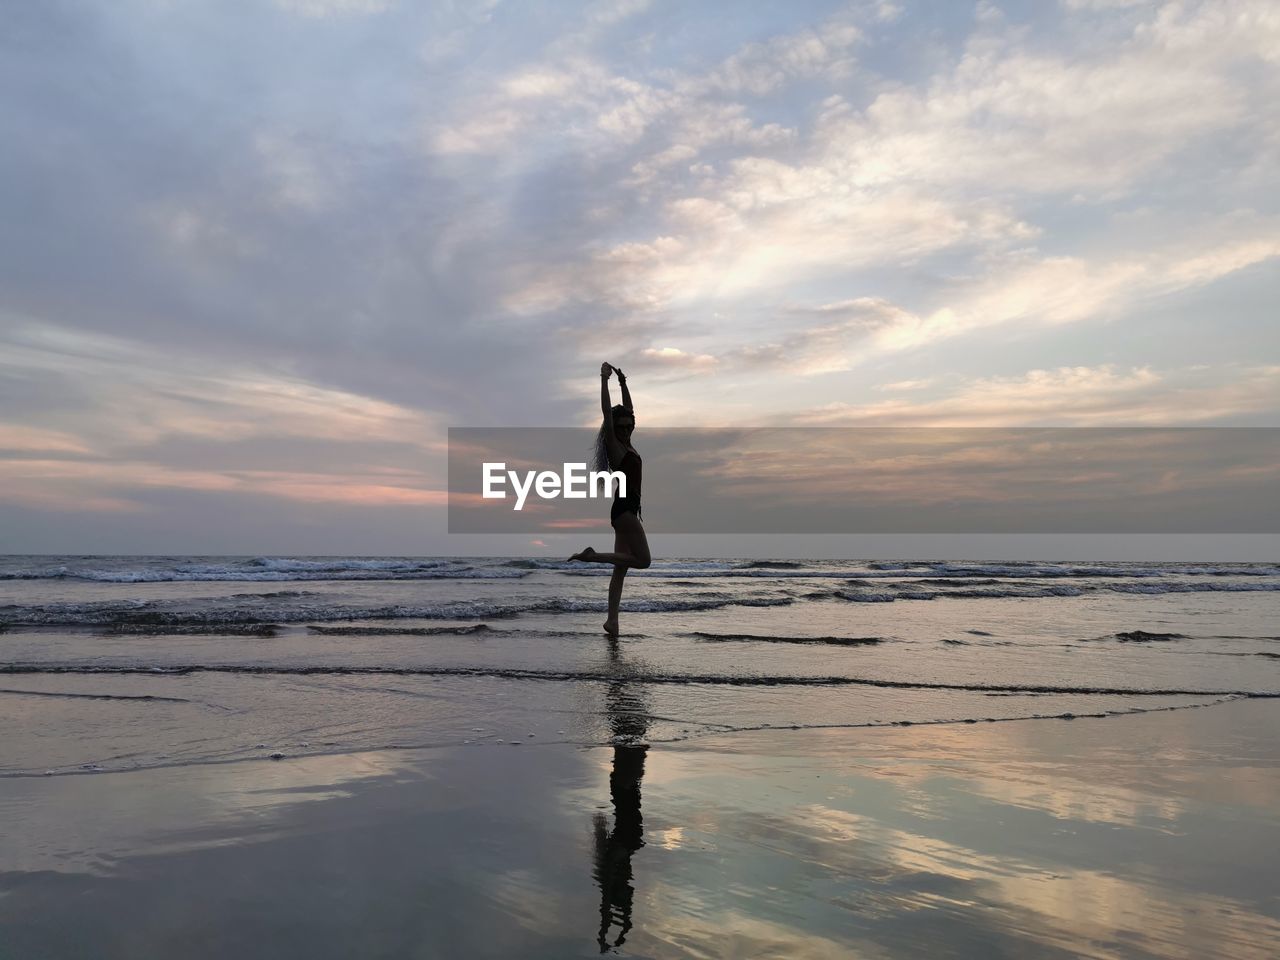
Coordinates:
<point>121,663</point>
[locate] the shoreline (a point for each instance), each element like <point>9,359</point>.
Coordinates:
<point>797,729</point>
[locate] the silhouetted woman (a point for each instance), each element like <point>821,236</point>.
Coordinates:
<point>614,452</point>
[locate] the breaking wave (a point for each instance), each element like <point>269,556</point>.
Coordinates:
<point>606,676</point>
<point>141,613</point>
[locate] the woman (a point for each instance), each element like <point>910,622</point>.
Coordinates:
<point>613,447</point>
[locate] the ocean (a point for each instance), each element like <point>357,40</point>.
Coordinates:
<point>119,663</point>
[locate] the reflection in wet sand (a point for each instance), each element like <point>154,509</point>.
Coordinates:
<point>947,843</point>
<point>969,842</point>
<point>629,720</point>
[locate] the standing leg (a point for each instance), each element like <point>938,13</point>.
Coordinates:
<point>629,542</point>
<point>615,587</point>
<point>615,598</point>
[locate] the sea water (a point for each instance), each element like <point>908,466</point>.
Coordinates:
<point>116,663</point>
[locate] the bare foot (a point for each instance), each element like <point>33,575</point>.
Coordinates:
<point>584,554</point>
<point>611,627</point>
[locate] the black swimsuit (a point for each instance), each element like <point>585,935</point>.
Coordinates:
<point>630,467</point>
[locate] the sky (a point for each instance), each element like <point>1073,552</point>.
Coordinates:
<point>257,256</point>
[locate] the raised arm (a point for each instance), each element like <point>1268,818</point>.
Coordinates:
<point>626,394</point>
<point>606,405</point>
<point>612,445</point>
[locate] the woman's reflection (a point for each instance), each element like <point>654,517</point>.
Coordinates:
<point>629,721</point>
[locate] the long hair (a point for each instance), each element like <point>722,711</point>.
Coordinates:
<point>600,458</point>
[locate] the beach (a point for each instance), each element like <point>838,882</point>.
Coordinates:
<point>386,757</point>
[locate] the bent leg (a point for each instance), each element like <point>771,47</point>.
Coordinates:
<point>630,546</point>
<point>635,543</point>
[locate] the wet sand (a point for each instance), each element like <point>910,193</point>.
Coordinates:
<point>1149,835</point>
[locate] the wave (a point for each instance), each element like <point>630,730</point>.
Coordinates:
<point>470,629</point>
<point>766,638</point>
<point>57,694</point>
<point>259,569</point>
<point>464,630</point>
<point>1042,570</point>
<point>1051,590</point>
<point>274,576</point>
<point>675,567</point>
<point>274,594</point>
<point>161,614</point>
<point>953,572</point>
<point>1143,636</point>
<point>601,676</point>
<point>888,592</point>
<point>221,630</point>
<point>952,581</point>
<point>1159,588</point>
<point>108,569</point>
<point>339,564</point>
<point>862,597</point>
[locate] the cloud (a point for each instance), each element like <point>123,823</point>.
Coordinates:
<point>576,95</point>
<point>1020,289</point>
<point>828,340</point>
<point>135,394</point>
<point>142,420</point>
<point>1077,396</point>
<point>944,168</point>
<point>672,357</point>
<point>1008,120</point>
<point>762,68</point>
<point>128,485</point>
<point>761,238</point>
<point>900,385</point>
<point>489,131</point>
<point>302,176</point>
<point>220,256</point>
<point>1101,4</point>
<point>20,438</point>
<point>333,8</point>
<point>608,12</point>
<point>1062,290</point>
